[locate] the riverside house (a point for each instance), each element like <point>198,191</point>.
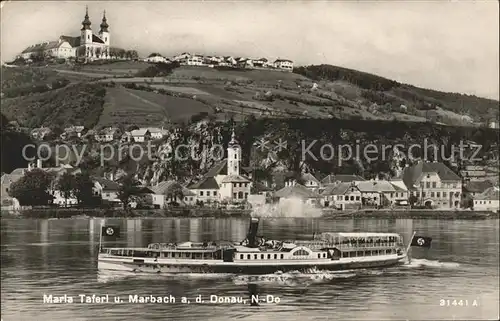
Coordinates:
<point>434,185</point>
<point>344,195</point>
<point>488,200</point>
<point>341,178</point>
<point>472,189</point>
<point>106,189</point>
<point>293,190</point>
<point>171,191</point>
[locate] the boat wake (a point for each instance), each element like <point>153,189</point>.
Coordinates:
<point>294,278</point>
<point>420,263</point>
<point>114,276</point>
<point>292,207</point>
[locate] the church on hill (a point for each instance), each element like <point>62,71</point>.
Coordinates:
<point>88,44</point>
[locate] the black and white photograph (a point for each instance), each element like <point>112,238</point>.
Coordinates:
<point>250,160</point>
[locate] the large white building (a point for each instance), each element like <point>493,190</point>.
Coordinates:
<point>88,44</point>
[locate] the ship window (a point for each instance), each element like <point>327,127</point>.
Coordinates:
<point>241,256</point>
<point>275,256</point>
<point>388,251</point>
<point>269,256</point>
<point>262,256</point>
<point>282,256</point>
<point>255,256</point>
<point>360,253</point>
<point>173,254</point>
<point>301,252</point>
<point>324,255</point>
<point>319,256</point>
<point>248,256</point>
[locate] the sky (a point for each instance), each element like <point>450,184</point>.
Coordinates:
<point>443,45</point>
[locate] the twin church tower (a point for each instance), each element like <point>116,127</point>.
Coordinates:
<point>92,45</point>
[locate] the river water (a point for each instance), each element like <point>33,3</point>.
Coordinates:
<point>58,257</point>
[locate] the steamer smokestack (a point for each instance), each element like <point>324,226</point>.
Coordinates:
<point>252,232</point>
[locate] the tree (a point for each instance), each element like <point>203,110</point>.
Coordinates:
<point>66,186</point>
<point>175,193</point>
<point>4,122</point>
<point>133,54</point>
<point>128,188</point>
<point>132,127</point>
<point>413,200</point>
<point>32,188</point>
<point>83,189</point>
<point>39,55</point>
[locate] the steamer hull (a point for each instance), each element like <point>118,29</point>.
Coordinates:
<point>163,266</point>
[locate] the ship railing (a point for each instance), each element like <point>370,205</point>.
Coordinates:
<point>173,246</point>
<point>317,245</point>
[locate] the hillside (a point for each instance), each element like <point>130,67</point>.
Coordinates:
<point>123,95</point>
<point>419,101</point>
<point>78,104</point>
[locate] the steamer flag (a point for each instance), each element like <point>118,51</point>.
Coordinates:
<point>110,231</point>
<point>421,241</point>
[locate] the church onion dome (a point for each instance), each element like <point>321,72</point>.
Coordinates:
<point>86,22</point>
<point>104,24</point>
<point>233,142</point>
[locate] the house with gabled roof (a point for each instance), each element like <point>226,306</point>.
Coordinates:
<point>473,188</point>
<point>40,133</point>
<point>376,192</point>
<point>344,195</point>
<point>140,135</point>
<point>298,191</point>
<point>434,184</point>
<point>106,189</point>
<point>310,181</point>
<point>488,200</point>
<point>332,179</point>
<point>171,191</point>
<point>108,134</point>
<point>283,64</point>
<point>261,62</point>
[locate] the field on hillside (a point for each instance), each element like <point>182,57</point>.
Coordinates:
<point>208,73</point>
<point>22,81</point>
<point>118,68</point>
<point>141,108</point>
<point>79,104</point>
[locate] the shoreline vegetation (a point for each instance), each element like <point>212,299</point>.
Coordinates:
<point>219,213</point>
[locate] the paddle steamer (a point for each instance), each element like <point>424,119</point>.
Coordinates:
<point>256,255</point>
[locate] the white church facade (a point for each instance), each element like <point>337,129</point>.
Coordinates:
<point>225,181</point>
<point>88,44</point>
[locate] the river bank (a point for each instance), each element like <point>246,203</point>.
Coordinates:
<point>60,213</point>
